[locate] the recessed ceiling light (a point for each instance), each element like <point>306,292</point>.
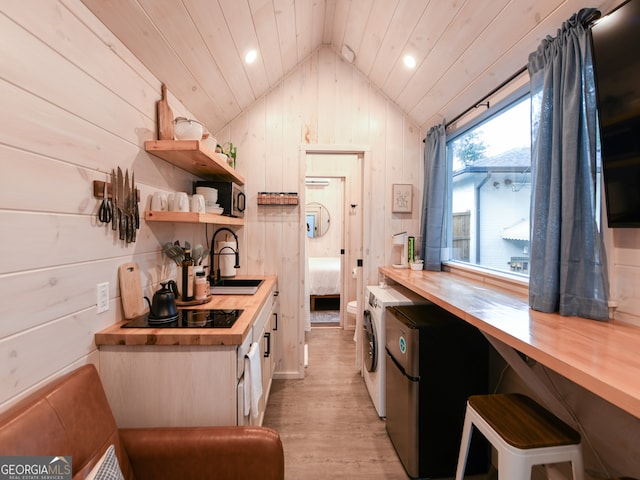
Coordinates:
<point>251,56</point>
<point>409,61</point>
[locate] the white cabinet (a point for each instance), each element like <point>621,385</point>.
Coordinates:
<point>265,334</point>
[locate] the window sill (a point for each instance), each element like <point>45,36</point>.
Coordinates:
<point>503,280</point>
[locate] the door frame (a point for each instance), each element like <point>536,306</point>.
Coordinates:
<point>364,154</point>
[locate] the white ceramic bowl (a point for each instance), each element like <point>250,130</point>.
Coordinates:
<point>210,194</point>
<point>187,129</point>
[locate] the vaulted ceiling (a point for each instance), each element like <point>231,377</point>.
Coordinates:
<point>462,48</point>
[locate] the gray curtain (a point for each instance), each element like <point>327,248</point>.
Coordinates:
<point>568,267</point>
<point>434,198</point>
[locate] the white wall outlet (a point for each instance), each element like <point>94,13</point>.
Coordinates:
<point>103,296</point>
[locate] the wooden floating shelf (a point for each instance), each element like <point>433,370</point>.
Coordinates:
<point>195,157</point>
<point>192,217</point>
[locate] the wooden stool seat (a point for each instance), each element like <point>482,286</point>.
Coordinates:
<point>523,433</point>
<point>523,423</point>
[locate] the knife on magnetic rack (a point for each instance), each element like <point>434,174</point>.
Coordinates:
<point>121,224</point>
<point>114,203</point>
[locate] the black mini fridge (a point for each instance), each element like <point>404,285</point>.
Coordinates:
<point>434,362</point>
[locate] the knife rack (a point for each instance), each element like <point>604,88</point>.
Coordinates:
<point>98,190</point>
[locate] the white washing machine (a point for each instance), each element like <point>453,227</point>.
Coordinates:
<point>377,300</point>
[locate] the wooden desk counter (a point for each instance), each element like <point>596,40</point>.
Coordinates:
<point>603,357</point>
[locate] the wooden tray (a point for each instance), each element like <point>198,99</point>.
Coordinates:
<point>181,303</point>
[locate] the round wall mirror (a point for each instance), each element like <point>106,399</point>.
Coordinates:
<point>317,219</point>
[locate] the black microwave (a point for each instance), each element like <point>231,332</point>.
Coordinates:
<point>231,196</point>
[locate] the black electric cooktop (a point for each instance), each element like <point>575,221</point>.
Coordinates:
<point>188,318</point>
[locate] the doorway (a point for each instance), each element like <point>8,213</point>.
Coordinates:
<point>348,162</point>
<point>324,211</point>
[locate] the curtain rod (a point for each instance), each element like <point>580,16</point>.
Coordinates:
<point>487,96</point>
<point>586,23</point>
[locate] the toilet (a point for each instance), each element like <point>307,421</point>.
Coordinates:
<point>352,311</point>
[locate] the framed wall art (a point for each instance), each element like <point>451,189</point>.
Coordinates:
<point>401,196</point>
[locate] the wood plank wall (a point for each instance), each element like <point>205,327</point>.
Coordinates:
<point>76,104</point>
<point>324,101</point>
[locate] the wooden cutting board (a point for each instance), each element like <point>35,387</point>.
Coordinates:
<point>133,303</point>
<point>165,117</point>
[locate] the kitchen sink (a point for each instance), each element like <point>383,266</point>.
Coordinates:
<point>236,286</point>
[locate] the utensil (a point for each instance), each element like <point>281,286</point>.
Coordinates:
<point>104,212</point>
<point>205,254</point>
<point>121,225</point>
<point>174,252</point>
<point>114,203</point>
<point>136,212</point>
<point>165,117</point>
<point>196,253</point>
<point>127,208</point>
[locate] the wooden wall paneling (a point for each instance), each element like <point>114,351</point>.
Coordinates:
<point>178,30</point>
<point>267,33</point>
<point>79,46</point>
<point>41,127</point>
<point>66,129</point>
<point>413,171</point>
<point>272,242</point>
<point>421,41</point>
<point>317,24</point>
<point>285,20</point>
<point>374,31</point>
<point>403,21</point>
<point>309,100</point>
<point>42,294</point>
<point>394,173</point>
<point>136,30</point>
<point>344,112</point>
<point>238,17</point>
<point>377,186</point>
<point>329,14</point>
<point>361,108</point>
<point>358,16</point>
<point>288,270</point>
<point>466,26</point>
<point>326,96</point>
<point>495,45</point>
<point>35,354</point>
<point>339,21</point>
<point>212,25</point>
<point>305,26</point>
<point>255,231</point>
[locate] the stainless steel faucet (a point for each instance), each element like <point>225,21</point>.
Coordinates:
<point>215,274</point>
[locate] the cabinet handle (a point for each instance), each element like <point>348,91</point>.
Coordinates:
<point>267,351</point>
<point>275,326</point>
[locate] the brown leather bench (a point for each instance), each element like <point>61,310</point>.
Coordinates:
<point>71,416</point>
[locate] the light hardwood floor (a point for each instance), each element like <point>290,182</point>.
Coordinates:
<point>328,424</point>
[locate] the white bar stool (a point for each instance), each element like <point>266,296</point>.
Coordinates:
<point>523,433</point>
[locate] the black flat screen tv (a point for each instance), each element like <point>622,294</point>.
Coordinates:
<point>615,41</point>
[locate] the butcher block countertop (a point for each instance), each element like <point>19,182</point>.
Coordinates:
<point>250,304</point>
<point>602,357</point>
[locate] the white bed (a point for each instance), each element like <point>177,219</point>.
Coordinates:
<point>324,276</point>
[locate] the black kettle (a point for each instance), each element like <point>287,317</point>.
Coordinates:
<point>163,306</point>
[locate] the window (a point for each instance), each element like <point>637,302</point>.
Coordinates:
<point>490,163</point>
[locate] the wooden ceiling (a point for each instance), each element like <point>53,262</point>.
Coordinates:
<point>463,48</point>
